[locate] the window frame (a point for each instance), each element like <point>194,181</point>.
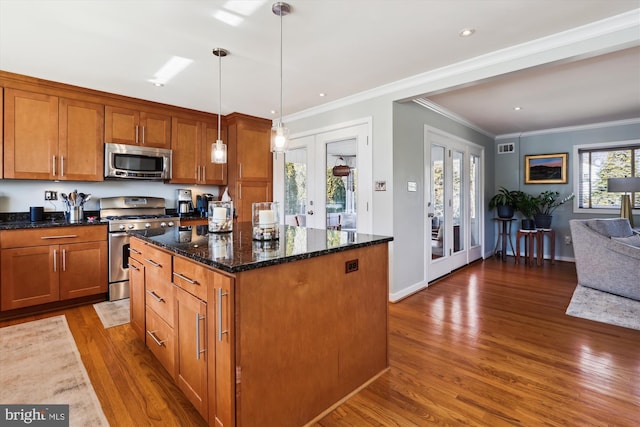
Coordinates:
<point>575,164</point>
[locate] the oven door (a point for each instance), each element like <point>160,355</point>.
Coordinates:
<point>118,265</point>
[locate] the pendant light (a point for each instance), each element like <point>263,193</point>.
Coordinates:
<point>219,148</point>
<point>279,133</point>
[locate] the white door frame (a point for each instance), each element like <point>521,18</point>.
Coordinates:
<point>434,268</point>
<point>316,143</point>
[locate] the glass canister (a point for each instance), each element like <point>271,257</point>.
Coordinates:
<point>220,216</point>
<point>265,220</point>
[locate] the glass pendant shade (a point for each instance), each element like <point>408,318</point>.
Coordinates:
<point>219,152</point>
<point>279,138</point>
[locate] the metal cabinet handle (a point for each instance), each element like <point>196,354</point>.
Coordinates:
<point>55,260</point>
<point>152,262</point>
<point>185,278</point>
<point>64,260</point>
<point>61,165</point>
<point>152,334</point>
<point>136,134</point>
<point>53,164</point>
<point>220,331</point>
<point>204,173</point>
<point>143,141</point>
<point>198,351</point>
<point>155,296</point>
<point>133,250</point>
<point>133,266</point>
<point>66,236</point>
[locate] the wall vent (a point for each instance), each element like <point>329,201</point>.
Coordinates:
<point>506,148</point>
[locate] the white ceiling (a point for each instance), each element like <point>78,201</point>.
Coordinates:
<point>337,47</point>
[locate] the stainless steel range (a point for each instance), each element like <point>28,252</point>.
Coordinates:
<point>125,214</point>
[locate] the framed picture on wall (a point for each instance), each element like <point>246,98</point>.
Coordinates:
<point>545,168</point>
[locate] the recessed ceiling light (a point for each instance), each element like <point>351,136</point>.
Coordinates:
<point>322,94</point>
<point>466,32</point>
<point>517,108</point>
<point>273,111</point>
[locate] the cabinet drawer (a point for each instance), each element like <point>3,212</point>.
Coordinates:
<point>52,236</point>
<point>191,277</point>
<point>137,249</point>
<point>157,264</point>
<point>160,296</point>
<point>160,339</point>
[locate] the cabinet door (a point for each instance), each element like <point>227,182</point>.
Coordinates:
<point>191,369</point>
<point>249,193</point>
<point>1,131</point>
<point>213,173</point>
<point>40,265</point>
<point>222,371</point>
<point>136,296</point>
<point>83,269</point>
<point>81,140</point>
<point>185,141</point>
<point>254,159</point>
<point>30,135</point>
<point>155,130</point>
<point>121,125</point>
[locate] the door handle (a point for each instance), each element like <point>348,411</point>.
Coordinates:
<point>431,214</point>
<point>310,212</point>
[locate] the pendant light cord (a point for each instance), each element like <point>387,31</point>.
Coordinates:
<point>219,93</point>
<point>281,73</point>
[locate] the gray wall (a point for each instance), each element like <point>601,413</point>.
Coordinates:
<point>409,120</point>
<point>509,170</point>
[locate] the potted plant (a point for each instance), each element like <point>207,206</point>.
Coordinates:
<point>526,205</point>
<point>505,201</point>
<point>545,204</point>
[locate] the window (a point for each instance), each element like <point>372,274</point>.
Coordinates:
<point>597,163</point>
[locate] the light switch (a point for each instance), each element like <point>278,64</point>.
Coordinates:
<point>412,186</point>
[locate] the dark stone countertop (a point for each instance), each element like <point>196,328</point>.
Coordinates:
<point>237,251</point>
<point>18,225</point>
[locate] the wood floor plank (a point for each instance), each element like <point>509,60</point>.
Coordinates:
<point>489,345</point>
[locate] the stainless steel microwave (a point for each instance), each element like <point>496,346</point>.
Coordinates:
<point>136,162</point>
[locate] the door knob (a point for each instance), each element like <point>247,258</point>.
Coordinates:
<point>310,212</point>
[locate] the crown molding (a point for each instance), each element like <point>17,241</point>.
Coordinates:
<point>571,128</point>
<point>607,35</point>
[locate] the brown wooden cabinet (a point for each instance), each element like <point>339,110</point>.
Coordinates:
<point>51,264</point>
<point>47,137</point>
<point>134,127</point>
<point>1,131</point>
<point>191,141</point>
<point>137,304</point>
<point>250,173</point>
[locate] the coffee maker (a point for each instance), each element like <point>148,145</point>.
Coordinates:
<point>202,203</point>
<point>184,202</point>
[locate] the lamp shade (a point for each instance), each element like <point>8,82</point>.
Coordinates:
<point>623,185</point>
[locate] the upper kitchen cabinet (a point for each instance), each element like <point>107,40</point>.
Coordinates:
<point>250,162</point>
<point>46,137</point>
<point>134,127</point>
<point>249,148</point>
<point>191,141</point>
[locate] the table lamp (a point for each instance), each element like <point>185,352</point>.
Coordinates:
<point>624,185</point>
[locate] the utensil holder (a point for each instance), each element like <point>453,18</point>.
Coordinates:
<point>75,214</point>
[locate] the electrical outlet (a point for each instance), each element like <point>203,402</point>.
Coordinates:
<point>351,266</point>
<point>51,195</point>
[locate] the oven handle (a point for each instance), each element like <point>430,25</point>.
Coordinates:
<point>119,234</point>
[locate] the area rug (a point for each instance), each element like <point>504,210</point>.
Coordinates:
<point>604,307</point>
<point>40,364</point>
<point>113,313</point>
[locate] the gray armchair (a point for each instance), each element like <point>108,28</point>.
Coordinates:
<point>603,260</point>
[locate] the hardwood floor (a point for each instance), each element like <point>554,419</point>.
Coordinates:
<point>489,345</point>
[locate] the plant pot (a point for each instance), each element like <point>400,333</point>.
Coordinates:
<point>542,220</point>
<point>527,224</point>
<point>505,211</point>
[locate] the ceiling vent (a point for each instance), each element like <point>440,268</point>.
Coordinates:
<point>506,148</point>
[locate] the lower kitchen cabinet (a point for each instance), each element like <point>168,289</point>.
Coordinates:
<point>51,264</point>
<point>136,296</point>
<point>193,349</point>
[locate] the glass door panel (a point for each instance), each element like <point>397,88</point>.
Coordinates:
<point>341,189</point>
<point>295,187</point>
<point>458,208</point>
<point>437,208</point>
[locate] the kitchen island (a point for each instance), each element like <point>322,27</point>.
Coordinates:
<point>263,333</point>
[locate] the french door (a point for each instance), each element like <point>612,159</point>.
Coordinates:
<point>453,196</point>
<point>313,193</point>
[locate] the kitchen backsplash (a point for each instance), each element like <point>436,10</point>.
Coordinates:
<point>19,195</point>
